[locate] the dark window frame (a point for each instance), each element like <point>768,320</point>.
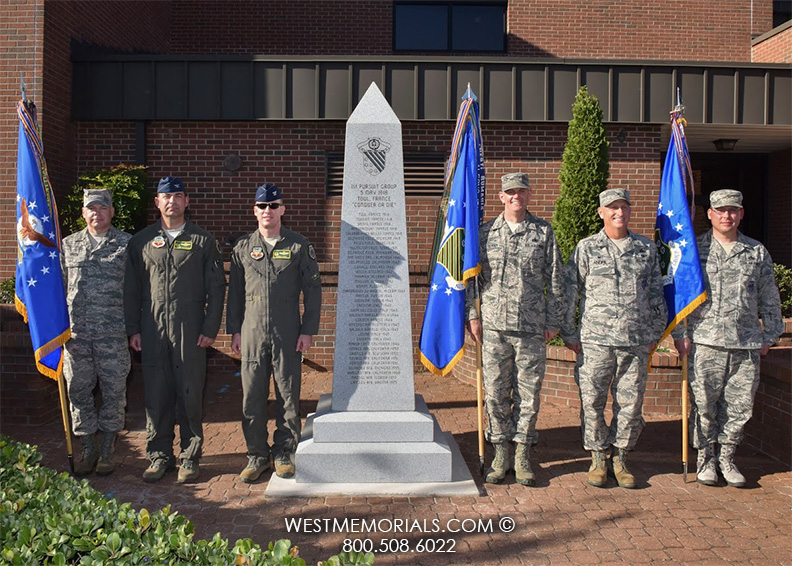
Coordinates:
<point>450,4</point>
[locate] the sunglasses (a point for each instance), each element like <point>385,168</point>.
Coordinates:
<point>266,205</point>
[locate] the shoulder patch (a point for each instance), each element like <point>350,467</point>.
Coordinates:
<point>281,254</point>
<point>311,252</point>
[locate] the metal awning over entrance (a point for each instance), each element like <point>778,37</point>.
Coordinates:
<point>160,87</point>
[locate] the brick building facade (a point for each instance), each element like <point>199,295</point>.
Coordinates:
<point>45,38</point>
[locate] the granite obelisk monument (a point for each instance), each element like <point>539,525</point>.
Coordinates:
<point>373,428</point>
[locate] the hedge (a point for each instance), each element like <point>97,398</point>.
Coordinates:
<point>51,518</point>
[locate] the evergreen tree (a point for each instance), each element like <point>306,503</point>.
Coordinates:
<point>584,174</point>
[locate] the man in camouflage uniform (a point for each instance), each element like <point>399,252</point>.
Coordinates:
<point>93,263</point>
<point>174,293</point>
<point>270,268</point>
<point>725,338</point>
<point>521,308</point>
<point>614,278</point>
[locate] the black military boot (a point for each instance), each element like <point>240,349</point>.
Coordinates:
<point>106,465</point>
<point>89,458</point>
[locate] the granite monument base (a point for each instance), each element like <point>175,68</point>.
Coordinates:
<point>461,484</point>
<point>372,426</point>
<point>373,447</point>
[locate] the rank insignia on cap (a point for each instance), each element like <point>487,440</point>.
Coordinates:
<point>311,252</point>
<point>158,242</point>
<point>257,252</point>
<point>281,254</point>
<point>182,245</point>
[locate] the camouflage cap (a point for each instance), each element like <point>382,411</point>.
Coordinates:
<point>515,181</point>
<point>97,196</point>
<point>726,197</point>
<point>608,196</point>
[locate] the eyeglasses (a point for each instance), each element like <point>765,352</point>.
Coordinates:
<point>266,205</point>
<point>726,211</point>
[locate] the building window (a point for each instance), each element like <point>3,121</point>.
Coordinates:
<point>782,12</point>
<point>424,174</point>
<point>450,26</point>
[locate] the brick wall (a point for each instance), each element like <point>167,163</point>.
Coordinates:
<point>769,429</point>
<point>36,40</point>
<point>676,30</point>
<point>688,30</point>
<point>119,26</point>
<point>776,47</point>
<point>26,396</point>
<point>779,186</point>
<point>20,53</point>
<point>314,27</point>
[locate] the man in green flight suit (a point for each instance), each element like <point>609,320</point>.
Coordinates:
<point>270,268</point>
<point>173,302</point>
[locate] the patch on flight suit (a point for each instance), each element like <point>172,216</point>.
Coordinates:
<point>311,252</point>
<point>158,242</point>
<point>257,252</point>
<point>281,254</point>
<point>182,245</point>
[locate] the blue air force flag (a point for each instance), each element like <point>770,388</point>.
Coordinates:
<point>457,256</point>
<point>683,284</point>
<point>40,296</point>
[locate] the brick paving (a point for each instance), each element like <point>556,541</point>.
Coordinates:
<point>561,521</point>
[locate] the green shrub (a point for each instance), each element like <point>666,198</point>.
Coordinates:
<point>783,277</point>
<point>584,174</point>
<point>8,290</point>
<point>51,518</point>
<point>131,197</point>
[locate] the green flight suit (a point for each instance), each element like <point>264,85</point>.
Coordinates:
<point>173,292</point>
<point>264,306</point>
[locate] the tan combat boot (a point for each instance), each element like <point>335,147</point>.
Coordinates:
<point>158,468</point>
<point>500,464</point>
<point>188,471</point>
<point>522,465</point>
<point>598,472</point>
<point>256,466</point>
<point>706,473</point>
<point>730,472</point>
<point>89,457</point>
<point>620,471</point>
<point>284,465</point>
<point>106,465</point>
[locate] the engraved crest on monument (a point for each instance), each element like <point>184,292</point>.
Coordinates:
<point>374,152</point>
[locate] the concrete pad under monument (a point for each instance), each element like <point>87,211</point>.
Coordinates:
<point>374,432</point>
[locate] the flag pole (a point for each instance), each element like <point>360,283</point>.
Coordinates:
<point>479,388</point>
<point>64,403</point>
<point>685,431</point>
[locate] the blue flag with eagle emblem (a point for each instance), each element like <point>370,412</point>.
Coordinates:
<point>683,284</point>
<point>457,255</point>
<point>40,296</point>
